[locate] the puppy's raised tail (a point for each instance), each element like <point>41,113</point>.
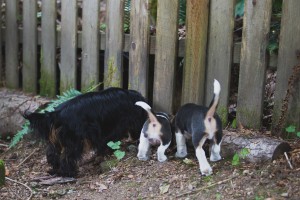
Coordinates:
<point>146,107</point>
<point>214,102</point>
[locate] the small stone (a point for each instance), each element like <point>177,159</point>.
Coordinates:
<point>150,189</point>
<point>285,194</point>
<point>246,172</point>
<point>130,176</point>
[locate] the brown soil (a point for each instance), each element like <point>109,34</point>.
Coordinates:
<point>134,179</point>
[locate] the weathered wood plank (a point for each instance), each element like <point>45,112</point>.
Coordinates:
<point>68,65</point>
<point>48,86</point>
<point>1,58</point>
<point>165,55</point>
<point>113,63</point>
<point>139,46</point>
<point>90,43</point>
<point>195,52</point>
<point>220,50</point>
<point>12,70</point>
<point>253,62</point>
<point>289,45</point>
<point>29,68</point>
<point>237,56</point>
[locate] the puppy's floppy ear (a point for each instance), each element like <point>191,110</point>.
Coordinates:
<point>146,107</point>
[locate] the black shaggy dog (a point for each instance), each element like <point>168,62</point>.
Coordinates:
<point>94,118</point>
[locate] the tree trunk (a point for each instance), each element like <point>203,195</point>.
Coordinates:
<point>261,148</point>
<point>12,105</point>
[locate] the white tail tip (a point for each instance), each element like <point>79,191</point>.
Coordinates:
<point>217,87</point>
<point>143,105</point>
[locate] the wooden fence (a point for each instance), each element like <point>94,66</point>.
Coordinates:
<point>208,52</point>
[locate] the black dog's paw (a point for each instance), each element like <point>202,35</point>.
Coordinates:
<point>52,171</point>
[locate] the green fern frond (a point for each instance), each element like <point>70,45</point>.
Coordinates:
<point>20,134</point>
<point>67,95</point>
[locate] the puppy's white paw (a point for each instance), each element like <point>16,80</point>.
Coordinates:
<point>162,158</point>
<point>215,157</point>
<point>180,154</point>
<point>142,156</point>
<point>206,171</point>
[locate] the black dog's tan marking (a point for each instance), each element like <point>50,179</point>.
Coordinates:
<point>200,123</point>
<point>95,118</point>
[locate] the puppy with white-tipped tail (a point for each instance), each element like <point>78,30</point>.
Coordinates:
<point>200,123</point>
<point>156,131</point>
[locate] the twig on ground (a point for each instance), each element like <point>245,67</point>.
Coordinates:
<point>206,187</point>
<point>3,145</point>
<point>27,157</point>
<point>31,193</point>
<point>288,160</point>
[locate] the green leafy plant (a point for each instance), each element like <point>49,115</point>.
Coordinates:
<point>2,173</point>
<point>234,124</point>
<point>239,8</point>
<point>240,155</point>
<point>292,130</point>
<point>116,146</point>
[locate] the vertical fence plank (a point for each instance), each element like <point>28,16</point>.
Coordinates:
<point>253,62</point>
<point>11,44</point>
<point>113,66</point>
<point>139,46</point>
<point>90,43</point>
<point>48,52</point>
<point>165,54</point>
<point>220,51</point>
<point>1,58</point>
<point>68,65</point>
<point>289,45</point>
<point>29,68</point>
<point>195,52</point>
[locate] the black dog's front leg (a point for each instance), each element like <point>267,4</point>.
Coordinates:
<point>53,158</point>
<point>70,155</point>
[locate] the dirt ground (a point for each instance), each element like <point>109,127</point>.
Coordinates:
<point>134,179</point>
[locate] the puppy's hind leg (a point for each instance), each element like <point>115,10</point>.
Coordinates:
<point>181,145</point>
<point>205,168</point>
<point>144,148</point>
<point>215,152</point>
<point>161,157</point>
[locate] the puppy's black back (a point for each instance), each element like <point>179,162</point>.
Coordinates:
<point>190,119</point>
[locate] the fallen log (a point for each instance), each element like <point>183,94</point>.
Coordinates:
<point>12,104</point>
<point>261,148</point>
